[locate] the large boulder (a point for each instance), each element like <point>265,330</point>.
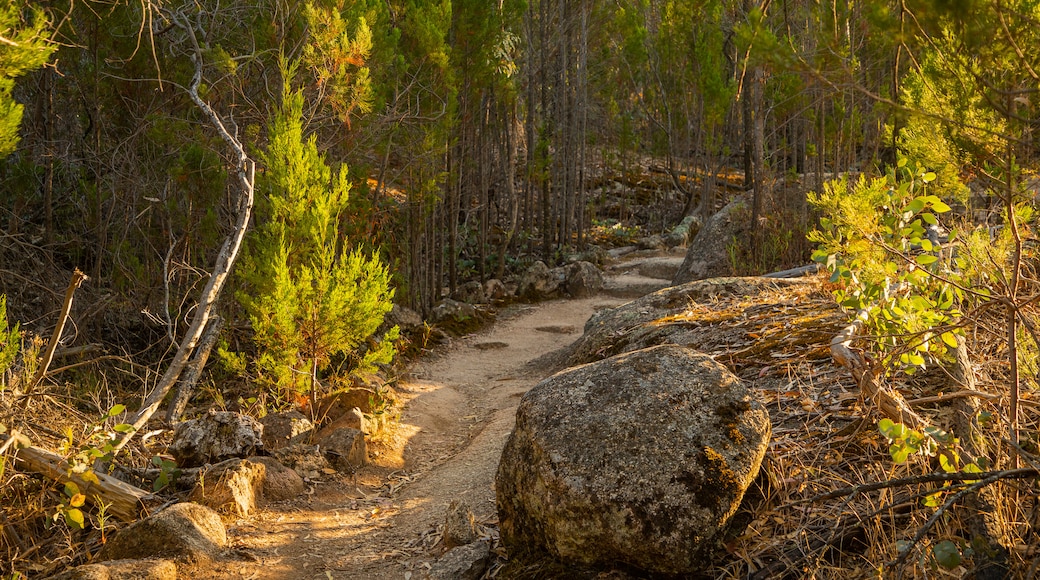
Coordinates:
<point>186,532</point>
<point>638,460</point>
<point>708,255</point>
<point>215,437</point>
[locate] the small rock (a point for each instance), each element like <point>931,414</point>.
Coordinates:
<point>288,428</point>
<point>185,532</point>
<point>494,289</point>
<point>216,437</point>
<point>453,311</point>
<point>280,482</point>
<point>460,525</point>
<point>344,448</point>
<point>537,282</point>
<point>122,570</point>
<point>467,562</point>
<point>583,279</point>
<point>471,293</point>
<point>234,486</point>
<point>654,242</point>
<point>306,460</point>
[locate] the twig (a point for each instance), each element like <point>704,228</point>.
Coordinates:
<point>1021,473</point>
<point>77,278</point>
<point>951,396</point>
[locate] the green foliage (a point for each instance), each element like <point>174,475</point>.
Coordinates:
<point>309,296</point>
<point>10,341</point>
<point>874,237</point>
<point>24,48</point>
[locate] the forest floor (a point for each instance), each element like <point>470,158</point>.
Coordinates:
<point>459,405</point>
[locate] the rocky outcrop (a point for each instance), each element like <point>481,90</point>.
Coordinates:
<point>640,460</point>
<point>215,437</point>
<point>653,319</point>
<point>186,532</point>
<point>707,256</point>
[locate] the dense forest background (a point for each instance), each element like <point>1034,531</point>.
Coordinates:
<point>463,140</point>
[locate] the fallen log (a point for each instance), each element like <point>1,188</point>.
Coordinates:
<point>122,500</point>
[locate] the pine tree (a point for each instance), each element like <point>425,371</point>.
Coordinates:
<point>308,294</point>
<point>22,48</point>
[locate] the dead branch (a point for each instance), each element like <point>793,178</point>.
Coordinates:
<point>1021,473</point>
<point>191,377</point>
<point>78,278</point>
<point>121,499</point>
<point>245,172</point>
<point>889,402</point>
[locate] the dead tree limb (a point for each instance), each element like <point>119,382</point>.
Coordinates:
<point>889,402</point>
<point>191,377</point>
<point>121,499</point>
<point>78,278</point>
<point>245,173</point>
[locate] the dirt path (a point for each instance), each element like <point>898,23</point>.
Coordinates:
<point>459,409</point>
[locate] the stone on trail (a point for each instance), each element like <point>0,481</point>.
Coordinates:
<point>538,282</point>
<point>640,459</point>
<point>306,460</point>
<point>471,292</point>
<point>215,437</point>
<point>280,482</point>
<point>234,487</point>
<point>186,532</point>
<point>583,279</point>
<point>344,448</point>
<point>286,428</point>
<point>467,562</point>
<point>460,525</point>
<point>122,570</point>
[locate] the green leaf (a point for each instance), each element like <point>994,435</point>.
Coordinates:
<point>123,428</point>
<point>946,554</point>
<point>116,410</point>
<point>940,207</point>
<point>899,453</point>
<point>71,489</point>
<point>929,218</point>
<point>949,338</point>
<point>916,205</point>
<point>925,259</point>
<point>74,518</point>
<point>885,426</point>
<point>928,177</point>
<point>933,500</point>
